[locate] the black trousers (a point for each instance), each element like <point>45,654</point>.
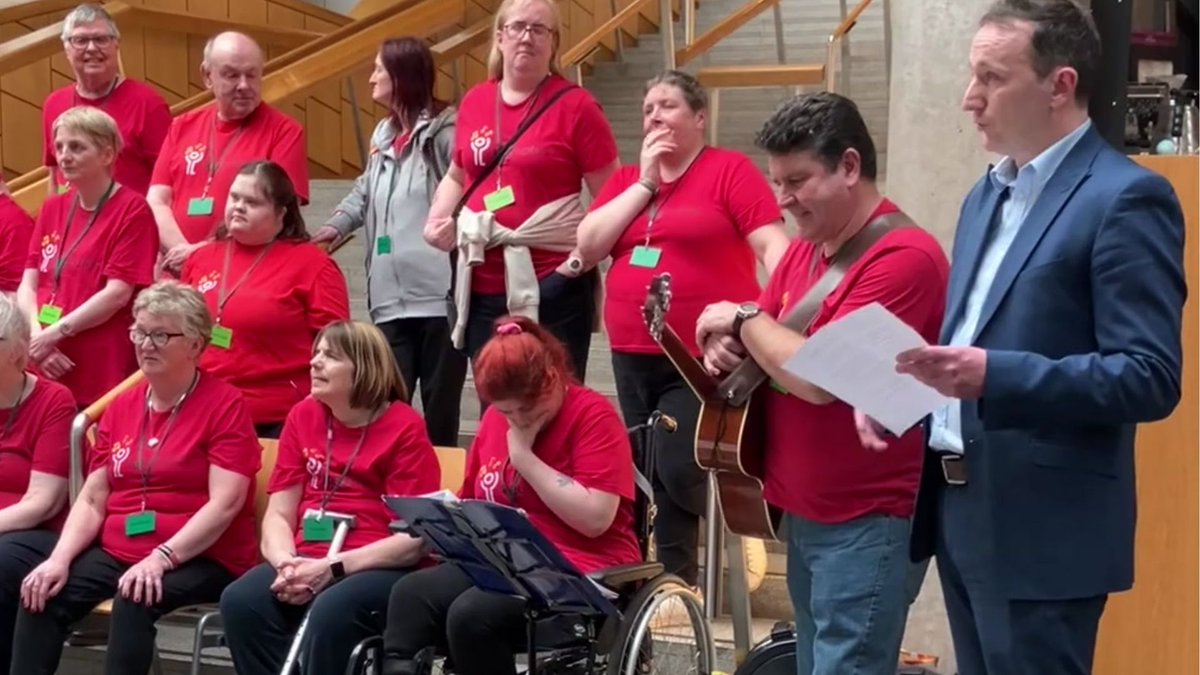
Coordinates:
<point>268,430</point>
<point>567,309</point>
<point>260,628</point>
<point>480,632</point>
<point>20,552</point>
<point>425,353</point>
<point>38,638</point>
<point>649,382</point>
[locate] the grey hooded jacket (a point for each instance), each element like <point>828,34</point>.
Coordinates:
<point>391,199</point>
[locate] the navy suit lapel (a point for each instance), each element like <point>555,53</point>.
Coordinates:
<point>1075,167</point>
<point>974,233</point>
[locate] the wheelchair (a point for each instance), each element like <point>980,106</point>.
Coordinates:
<point>599,645</point>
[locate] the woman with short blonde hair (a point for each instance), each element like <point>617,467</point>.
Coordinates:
<point>92,249</point>
<point>353,441</point>
<point>512,216</point>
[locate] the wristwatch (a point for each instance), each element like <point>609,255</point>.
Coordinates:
<point>745,311</point>
<point>337,568</point>
<point>575,264</point>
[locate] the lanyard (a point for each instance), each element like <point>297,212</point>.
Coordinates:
<point>500,131</point>
<point>16,409</point>
<point>329,492</point>
<point>222,296</point>
<point>656,205</point>
<point>157,442</point>
<point>214,162</point>
<point>62,259</point>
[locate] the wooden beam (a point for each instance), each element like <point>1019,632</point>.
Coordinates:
<point>728,77</point>
<point>722,30</point>
<point>463,41</point>
<point>18,10</point>
<point>313,10</point>
<point>162,19</point>
<point>582,49</point>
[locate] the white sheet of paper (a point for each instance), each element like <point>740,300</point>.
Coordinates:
<point>854,358</point>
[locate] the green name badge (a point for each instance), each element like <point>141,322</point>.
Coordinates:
<point>64,189</point>
<point>383,245</point>
<point>200,206</point>
<point>645,256</point>
<point>139,523</point>
<point>49,315</point>
<point>779,387</point>
<point>499,199</point>
<point>221,336</point>
<point>318,529</point>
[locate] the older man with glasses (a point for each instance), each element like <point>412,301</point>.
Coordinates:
<point>92,44</point>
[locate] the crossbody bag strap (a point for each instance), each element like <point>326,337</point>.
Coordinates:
<point>741,383</point>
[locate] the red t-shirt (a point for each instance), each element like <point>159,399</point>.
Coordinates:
<point>183,164</point>
<point>16,227</point>
<point>396,459</point>
<point>142,116</point>
<point>585,441</point>
<point>295,291</point>
<point>570,139</point>
<point>701,228</point>
<point>123,245</point>
<point>38,440</point>
<point>816,466</point>
<point>211,429</point>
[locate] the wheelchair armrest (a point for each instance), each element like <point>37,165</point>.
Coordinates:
<point>623,575</point>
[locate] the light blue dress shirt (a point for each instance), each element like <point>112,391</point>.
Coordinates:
<point>1023,186</point>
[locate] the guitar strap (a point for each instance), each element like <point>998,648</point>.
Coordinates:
<point>737,388</point>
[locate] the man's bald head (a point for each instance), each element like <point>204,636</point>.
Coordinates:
<point>232,69</point>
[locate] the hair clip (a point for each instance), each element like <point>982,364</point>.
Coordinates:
<point>509,328</point>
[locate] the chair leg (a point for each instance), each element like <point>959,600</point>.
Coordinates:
<point>199,639</point>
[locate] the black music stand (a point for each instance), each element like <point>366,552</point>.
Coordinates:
<point>501,551</point>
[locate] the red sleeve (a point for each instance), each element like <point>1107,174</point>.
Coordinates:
<point>15,233</point>
<point>162,164</point>
<point>52,451</point>
<point>289,460</point>
<point>233,445</point>
<point>593,141</point>
<point>47,214</point>
<point>135,250</point>
<point>328,298</point>
<point>155,126</point>
<point>291,152</point>
<point>748,197</point>
<point>415,470</point>
<point>772,294</point>
<point>901,279</point>
<point>603,457</point>
<point>621,179</point>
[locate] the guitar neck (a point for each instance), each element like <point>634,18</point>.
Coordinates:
<point>689,368</point>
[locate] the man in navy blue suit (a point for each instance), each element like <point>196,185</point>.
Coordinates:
<point>1061,334</point>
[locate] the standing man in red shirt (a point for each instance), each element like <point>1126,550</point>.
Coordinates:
<point>205,148</point>
<point>848,508</point>
<point>92,44</point>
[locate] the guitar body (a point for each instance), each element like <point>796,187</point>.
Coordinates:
<point>729,439</point>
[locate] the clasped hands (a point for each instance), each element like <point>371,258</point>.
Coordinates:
<point>44,351</point>
<point>299,580</point>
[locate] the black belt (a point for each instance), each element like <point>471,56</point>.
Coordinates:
<point>954,468</point>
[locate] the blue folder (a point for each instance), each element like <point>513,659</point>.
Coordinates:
<point>501,551</point>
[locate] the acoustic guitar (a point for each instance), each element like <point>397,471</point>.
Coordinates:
<point>729,438</point>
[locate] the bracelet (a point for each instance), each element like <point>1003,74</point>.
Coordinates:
<point>651,187</point>
<point>167,554</point>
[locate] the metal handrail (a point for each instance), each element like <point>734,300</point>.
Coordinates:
<point>839,38</point>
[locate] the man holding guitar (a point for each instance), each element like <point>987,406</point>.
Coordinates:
<point>848,509</point>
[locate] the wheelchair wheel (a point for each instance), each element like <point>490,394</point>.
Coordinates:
<point>644,645</point>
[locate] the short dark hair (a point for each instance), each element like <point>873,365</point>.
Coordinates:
<point>828,124</point>
<point>409,64</point>
<point>1064,34</point>
<point>693,92</point>
<point>277,187</point>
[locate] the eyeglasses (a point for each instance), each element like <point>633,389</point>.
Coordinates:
<point>517,29</point>
<point>158,338</point>
<point>82,41</point>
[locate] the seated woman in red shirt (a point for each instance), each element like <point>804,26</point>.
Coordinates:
<point>92,249</point>
<point>165,518</point>
<point>35,427</point>
<point>547,445</point>
<point>343,449</point>
<point>16,227</point>
<point>269,290</point>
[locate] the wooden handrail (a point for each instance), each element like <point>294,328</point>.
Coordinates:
<point>728,77</point>
<point>163,19</point>
<point>465,40</point>
<point>722,30</point>
<point>851,19</point>
<point>18,10</point>
<point>835,38</point>
<point>584,48</point>
<point>314,10</point>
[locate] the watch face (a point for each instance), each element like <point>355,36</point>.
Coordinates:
<point>748,309</point>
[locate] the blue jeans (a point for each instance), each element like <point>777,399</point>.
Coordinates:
<point>849,584</point>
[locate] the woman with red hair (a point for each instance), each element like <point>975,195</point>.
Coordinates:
<point>549,446</point>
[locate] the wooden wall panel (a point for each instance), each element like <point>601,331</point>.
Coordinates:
<point>170,62</point>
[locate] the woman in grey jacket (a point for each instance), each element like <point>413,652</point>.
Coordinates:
<point>407,279</point>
